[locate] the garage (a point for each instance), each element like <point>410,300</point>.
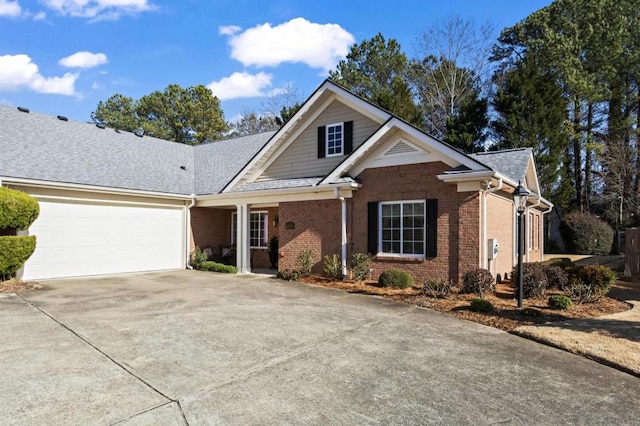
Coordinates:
<point>78,237</point>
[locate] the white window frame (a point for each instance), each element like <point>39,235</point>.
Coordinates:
<point>264,222</point>
<point>424,229</point>
<point>326,140</point>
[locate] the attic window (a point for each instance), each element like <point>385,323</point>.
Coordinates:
<point>334,139</point>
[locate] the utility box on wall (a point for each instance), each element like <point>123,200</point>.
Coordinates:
<point>492,250</point>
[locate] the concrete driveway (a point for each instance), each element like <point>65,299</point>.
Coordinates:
<point>192,347</point>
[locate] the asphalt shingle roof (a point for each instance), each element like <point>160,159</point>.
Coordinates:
<point>512,163</point>
<point>43,147</point>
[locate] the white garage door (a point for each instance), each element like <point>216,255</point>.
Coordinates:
<point>77,239</point>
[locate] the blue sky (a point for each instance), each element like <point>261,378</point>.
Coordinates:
<point>61,57</point>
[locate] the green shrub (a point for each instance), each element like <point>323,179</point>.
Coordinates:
<point>590,283</point>
<point>211,266</point>
<point>14,251</point>
<point>478,281</point>
<point>360,265</point>
<point>585,233</point>
<point>395,278</point>
<point>332,266</point>
<point>556,277</point>
<point>436,287</point>
<point>288,275</point>
<point>481,305</point>
<point>559,302</point>
<point>17,209</point>
<point>197,258</point>
<point>305,261</point>
<point>534,280</point>
<point>562,262</point>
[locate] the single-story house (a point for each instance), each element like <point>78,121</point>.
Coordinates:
<point>342,176</point>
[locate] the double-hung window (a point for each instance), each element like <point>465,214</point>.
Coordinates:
<point>335,139</point>
<point>402,228</point>
<point>258,229</point>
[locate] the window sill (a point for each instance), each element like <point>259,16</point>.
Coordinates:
<point>399,258</point>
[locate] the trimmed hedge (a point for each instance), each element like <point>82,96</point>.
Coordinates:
<point>211,266</point>
<point>395,278</point>
<point>14,251</point>
<point>17,209</point>
<point>584,233</point>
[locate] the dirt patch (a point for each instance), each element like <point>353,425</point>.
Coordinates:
<point>506,315</point>
<point>17,286</point>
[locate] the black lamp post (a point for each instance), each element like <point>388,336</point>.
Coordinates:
<point>520,196</point>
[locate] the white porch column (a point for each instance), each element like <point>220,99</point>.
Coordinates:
<point>243,250</point>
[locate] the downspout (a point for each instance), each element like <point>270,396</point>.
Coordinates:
<point>188,229</point>
<point>484,262</point>
<point>531,229</point>
<point>542,239</point>
<point>343,204</point>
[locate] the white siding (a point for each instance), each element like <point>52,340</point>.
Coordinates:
<point>301,157</point>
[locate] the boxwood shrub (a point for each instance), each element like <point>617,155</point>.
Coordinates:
<point>17,209</point>
<point>395,278</point>
<point>559,301</point>
<point>211,266</point>
<point>481,305</point>
<point>14,251</point>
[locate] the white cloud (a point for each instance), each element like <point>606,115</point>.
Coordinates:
<point>229,30</point>
<point>98,9</point>
<point>298,40</point>
<point>18,71</point>
<point>84,60</point>
<point>242,85</point>
<point>10,8</point>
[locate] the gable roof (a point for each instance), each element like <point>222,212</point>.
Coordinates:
<point>512,163</point>
<point>41,147</point>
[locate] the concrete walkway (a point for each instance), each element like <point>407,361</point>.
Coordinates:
<point>191,347</point>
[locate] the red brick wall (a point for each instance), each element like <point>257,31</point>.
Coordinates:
<point>317,227</point>
<point>317,223</point>
<point>210,227</point>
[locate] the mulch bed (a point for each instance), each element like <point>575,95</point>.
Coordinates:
<point>17,286</point>
<point>505,316</point>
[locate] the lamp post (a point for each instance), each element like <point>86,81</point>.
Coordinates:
<point>520,196</point>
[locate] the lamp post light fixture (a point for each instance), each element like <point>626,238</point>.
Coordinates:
<point>520,196</point>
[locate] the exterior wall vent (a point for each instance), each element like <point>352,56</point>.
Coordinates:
<point>401,148</point>
<point>22,109</point>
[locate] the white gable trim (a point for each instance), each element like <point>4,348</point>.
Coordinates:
<point>281,138</point>
<point>436,149</point>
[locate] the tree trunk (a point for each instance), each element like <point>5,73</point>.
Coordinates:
<point>577,154</point>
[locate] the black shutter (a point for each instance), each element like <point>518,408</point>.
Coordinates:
<point>372,227</point>
<point>432,228</point>
<point>348,137</point>
<point>322,142</point>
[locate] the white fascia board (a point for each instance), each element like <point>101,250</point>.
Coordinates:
<point>471,176</point>
<point>91,188</point>
<point>306,193</point>
<point>277,137</point>
<point>365,108</point>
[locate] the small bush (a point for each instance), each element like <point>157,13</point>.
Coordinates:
<point>478,281</point>
<point>395,278</point>
<point>481,305</point>
<point>436,288</point>
<point>558,301</point>
<point>590,283</point>
<point>556,277</point>
<point>585,233</point>
<point>534,280</point>
<point>360,265</point>
<point>288,275</point>
<point>17,209</point>
<point>197,258</point>
<point>305,261</point>
<point>14,251</point>
<point>211,266</point>
<point>332,266</point>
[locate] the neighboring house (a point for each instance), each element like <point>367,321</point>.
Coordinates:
<point>342,176</point>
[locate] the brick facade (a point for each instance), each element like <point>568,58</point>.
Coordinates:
<point>317,223</point>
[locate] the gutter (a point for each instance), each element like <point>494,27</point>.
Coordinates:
<point>187,223</point>
<point>484,249</point>
<point>343,204</point>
